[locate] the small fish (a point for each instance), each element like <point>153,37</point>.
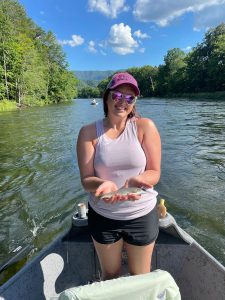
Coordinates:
<point>123,191</point>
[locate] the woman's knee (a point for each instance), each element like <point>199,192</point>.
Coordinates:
<point>139,258</point>
<point>111,274</point>
<point>109,256</point>
<point>111,268</point>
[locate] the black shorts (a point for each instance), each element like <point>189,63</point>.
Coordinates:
<point>140,231</point>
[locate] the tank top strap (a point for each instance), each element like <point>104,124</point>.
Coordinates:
<point>99,128</point>
<point>133,126</point>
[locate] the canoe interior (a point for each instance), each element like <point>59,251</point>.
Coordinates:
<point>71,261</point>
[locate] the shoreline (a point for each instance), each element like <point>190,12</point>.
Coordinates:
<point>7,106</point>
<point>220,95</point>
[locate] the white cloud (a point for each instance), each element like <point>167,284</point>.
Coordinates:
<point>142,50</point>
<point>209,17</point>
<point>141,35</point>
<point>103,53</point>
<point>163,12</point>
<point>76,40</point>
<point>109,8</point>
<point>91,47</point>
<point>103,44</point>
<point>187,49</point>
<point>121,40</point>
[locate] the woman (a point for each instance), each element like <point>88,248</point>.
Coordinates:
<point>122,150</point>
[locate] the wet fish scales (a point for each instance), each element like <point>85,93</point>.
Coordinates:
<point>123,191</point>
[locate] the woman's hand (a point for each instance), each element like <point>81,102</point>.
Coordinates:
<point>110,187</point>
<point>137,181</point>
<point>105,188</point>
<point>117,197</point>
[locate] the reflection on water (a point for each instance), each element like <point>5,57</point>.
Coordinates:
<point>39,177</point>
<point>193,169</point>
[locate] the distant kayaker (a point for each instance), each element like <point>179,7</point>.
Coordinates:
<point>94,102</point>
<point>121,151</point>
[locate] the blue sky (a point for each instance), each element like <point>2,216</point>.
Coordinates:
<point>118,34</point>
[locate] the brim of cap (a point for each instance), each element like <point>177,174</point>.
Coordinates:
<point>136,89</point>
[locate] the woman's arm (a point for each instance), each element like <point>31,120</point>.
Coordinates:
<point>150,140</point>
<point>85,155</point>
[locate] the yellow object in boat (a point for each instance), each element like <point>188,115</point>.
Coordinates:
<point>161,208</point>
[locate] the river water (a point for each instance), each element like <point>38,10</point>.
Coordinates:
<point>39,177</point>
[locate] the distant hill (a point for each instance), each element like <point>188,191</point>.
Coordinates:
<point>92,77</point>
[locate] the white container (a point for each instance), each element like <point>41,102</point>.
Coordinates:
<point>82,211</point>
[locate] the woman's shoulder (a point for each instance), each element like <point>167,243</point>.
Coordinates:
<point>145,123</point>
<point>88,130</point>
<point>146,128</point>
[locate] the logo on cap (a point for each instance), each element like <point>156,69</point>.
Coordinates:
<point>123,77</point>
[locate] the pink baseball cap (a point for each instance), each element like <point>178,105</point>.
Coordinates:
<point>123,78</point>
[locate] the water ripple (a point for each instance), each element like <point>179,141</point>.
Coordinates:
<point>39,176</point>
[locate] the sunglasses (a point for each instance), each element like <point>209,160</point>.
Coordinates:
<point>118,97</point>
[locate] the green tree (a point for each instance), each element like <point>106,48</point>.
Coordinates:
<point>206,63</point>
<point>171,75</point>
<point>102,85</point>
<point>89,92</point>
<point>5,48</point>
<point>32,63</point>
<point>215,42</point>
<point>146,78</point>
<point>197,69</point>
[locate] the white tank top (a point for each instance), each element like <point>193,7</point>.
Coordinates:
<point>117,160</point>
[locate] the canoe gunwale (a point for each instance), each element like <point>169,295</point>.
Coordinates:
<point>176,252</point>
<point>35,259</point>
<point>169,225</point>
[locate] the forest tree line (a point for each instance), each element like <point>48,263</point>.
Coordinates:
<point>33,67</point>
<point>201,70</point>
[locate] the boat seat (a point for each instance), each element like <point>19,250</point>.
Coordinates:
<point>157,285</point>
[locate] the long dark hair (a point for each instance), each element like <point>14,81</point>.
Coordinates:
<point>132,114</point>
